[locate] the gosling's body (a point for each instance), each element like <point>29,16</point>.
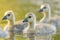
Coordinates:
<point>18,26</point>
<point>29,31</point>
<point>45,31</point>
<point>46,10</point>
<point>10,29</point>
<point>41,31</point>
<point>9,16</point>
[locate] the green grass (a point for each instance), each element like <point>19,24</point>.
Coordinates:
<point>20,9</point>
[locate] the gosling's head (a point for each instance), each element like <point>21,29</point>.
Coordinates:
<point>9,15</point>
<point>30,17</point>
<point>44,8</point>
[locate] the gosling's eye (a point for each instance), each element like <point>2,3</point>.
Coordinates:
<point>8,15</point>
<point>29,17</point>
<point>44,7</point>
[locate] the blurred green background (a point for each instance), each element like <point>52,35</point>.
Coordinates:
<point>20,8</point>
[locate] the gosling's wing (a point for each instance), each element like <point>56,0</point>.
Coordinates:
<point>55,21</point>
<point>19,27</point>
<point>43,29</point>
<point>3,33</point>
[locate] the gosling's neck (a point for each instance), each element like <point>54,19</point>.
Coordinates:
<point>32,25</point>
<point>11,22</point>
<point>46,17</point>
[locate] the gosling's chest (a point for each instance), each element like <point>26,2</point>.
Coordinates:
<point>9,28</point>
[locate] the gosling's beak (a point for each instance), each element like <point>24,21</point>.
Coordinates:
<point>40,10</point>
<point>4,18</point>
<point>25,20</point>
